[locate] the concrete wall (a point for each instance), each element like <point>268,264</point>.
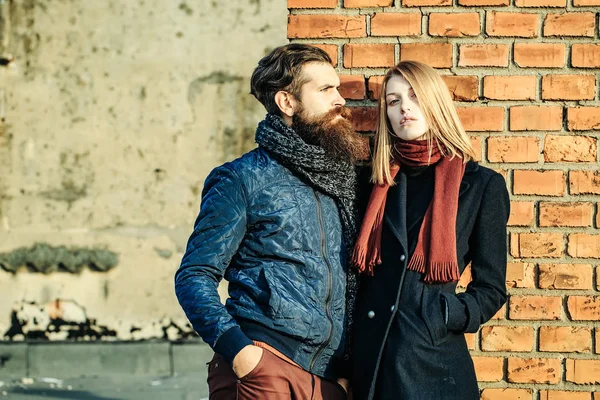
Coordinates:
<point>113,113</point>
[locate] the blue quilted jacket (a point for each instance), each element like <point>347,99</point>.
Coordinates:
<point>278,242</point>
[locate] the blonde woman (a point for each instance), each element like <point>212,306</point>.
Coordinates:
<point>432,210</point>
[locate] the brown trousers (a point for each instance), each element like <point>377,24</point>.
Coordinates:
<point>272,379</point>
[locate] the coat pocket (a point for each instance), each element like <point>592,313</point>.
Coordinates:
<point>431,310</point>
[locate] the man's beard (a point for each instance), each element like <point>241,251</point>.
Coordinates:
<point>335,135</point>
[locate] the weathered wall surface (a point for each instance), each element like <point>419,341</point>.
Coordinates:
<point>113,113</point>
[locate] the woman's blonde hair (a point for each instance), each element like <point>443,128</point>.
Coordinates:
<point>445,128</point>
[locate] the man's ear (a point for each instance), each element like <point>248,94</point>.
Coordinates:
<point>286,102</point>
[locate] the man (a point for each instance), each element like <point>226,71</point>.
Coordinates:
<point>278,223</point>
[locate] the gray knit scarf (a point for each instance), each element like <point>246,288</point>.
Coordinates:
<point>333,177</point>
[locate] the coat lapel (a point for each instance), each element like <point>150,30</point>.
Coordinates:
<point>395,211</point>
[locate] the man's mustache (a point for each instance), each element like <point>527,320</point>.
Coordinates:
<point>342,111</point>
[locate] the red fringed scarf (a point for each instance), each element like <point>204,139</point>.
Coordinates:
<point>435,254</point>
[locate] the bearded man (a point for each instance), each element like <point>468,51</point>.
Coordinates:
<point>278,224</point>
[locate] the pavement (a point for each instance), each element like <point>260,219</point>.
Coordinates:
<point>178,387</point>
<point>104,371</point>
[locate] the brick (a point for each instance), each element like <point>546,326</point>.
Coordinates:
<point>520,275</point>
<point>476,144</point>
<point>532,245</point>
<point>352,87</point>
<point>480,3</point>
<point>454,24</point>
<point>540,3</point>
<point>541,183</point>
<point>483,55</point>
<point>585,55</point>
<point>436,55</point>
<point>565,339</point>
<point>191,357</point>
<point>533,118</point>
<point>568,87</point>
<point>367,3</point>
<point>511,24</point>
<point>312,3</point>
<point>535,308</point>
<point>364,118</point>
<point>584,245</point>
<point>584,308</point>
<point>471,339</point>
<point>106,359</point>
<point>368,55</point>
<point>396,24</point>
<point>507,394</point>
<point>507,338</point>
<point>326,26</point>
<point>566,214</point>
<point>375,83</point>
<point>465,277</point>
<point>564,395</point>
<point>570,24</point>
<point>569,149</point>
<point>462,88</point>
<point>534,370</point>
<point>489,369</point>
<point>583,372</point>
<point>539,55</point>
<point>583,118</point>
<point>584,182</point>
<point>565,276</point>
<point>513,149</point>
<point>521,213</point>
<point>481,119</point>
<point>331,50</point>
<point>421,3</point>
<point>586,3</point>
<point>509,87</point>
<point>500,314</point>
<point>13,360</point>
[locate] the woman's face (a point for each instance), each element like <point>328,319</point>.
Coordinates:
<point>403,110</point>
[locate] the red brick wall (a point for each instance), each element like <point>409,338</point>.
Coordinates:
<point>525,78</point>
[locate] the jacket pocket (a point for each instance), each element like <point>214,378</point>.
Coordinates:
<point>431,310</point>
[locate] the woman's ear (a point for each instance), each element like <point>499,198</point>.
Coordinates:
<point>286,103</point>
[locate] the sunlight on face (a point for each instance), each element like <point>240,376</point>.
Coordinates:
<point>320,94</point>
<point>403,110</point>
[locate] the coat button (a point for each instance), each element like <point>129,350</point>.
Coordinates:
<point>392,308</point>
<point>402,257</point>
<point>371,314</point>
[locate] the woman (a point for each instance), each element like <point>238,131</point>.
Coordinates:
<point>432,210</point>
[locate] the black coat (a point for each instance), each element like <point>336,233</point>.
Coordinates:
<point>403,348</point>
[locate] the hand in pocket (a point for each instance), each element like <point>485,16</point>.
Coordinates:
<point>247,360</point>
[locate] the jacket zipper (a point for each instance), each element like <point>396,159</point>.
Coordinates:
<point>328,298</point>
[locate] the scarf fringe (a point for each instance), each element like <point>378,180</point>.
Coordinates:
<point>435,272</point>
<point>417,263</point>
<point>364,266</point>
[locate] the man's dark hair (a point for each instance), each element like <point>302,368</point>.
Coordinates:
<point>282,70</point>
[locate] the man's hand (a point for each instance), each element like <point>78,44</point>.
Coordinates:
<point>246,360</point>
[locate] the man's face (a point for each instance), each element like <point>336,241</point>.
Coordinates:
<point>319,94</point>
<point>321,119</point>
